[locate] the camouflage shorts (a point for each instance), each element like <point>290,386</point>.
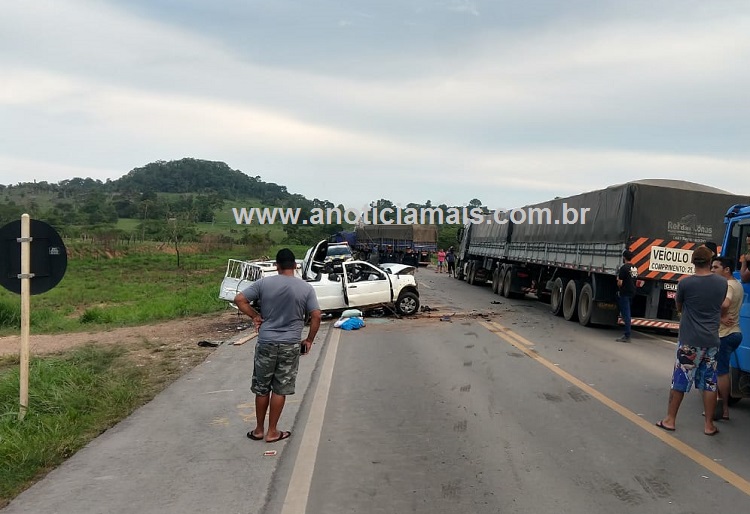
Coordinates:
<point>275,368</point>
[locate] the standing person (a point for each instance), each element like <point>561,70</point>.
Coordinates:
<point>450,260</point>
<point>626,277</point>
<point>389,256</point>
<point>699,299</point>
<point>284,301</point>
<point>744,269</point>
<point>730,335</point>
<point>440,261</point>
<point>745,261</point>
<point>411,259</point>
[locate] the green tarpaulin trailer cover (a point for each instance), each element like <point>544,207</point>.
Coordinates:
<point>671,210</point>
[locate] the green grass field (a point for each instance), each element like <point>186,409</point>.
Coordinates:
<point>141,285</point>
<point>224,222</point>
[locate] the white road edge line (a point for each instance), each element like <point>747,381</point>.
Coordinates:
<point>299,485</point>
<point>655,337</point>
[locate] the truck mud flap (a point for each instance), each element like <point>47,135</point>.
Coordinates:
<point>605,313</point>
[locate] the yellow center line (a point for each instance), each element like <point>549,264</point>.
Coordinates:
<point>688,451</point>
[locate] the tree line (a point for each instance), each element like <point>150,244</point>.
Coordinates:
<point>168,200</point>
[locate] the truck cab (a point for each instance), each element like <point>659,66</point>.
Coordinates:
<point>734,246</point>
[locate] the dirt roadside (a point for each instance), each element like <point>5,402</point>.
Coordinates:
<point>185,333</point>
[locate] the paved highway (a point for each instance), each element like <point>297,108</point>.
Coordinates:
<point>504,408</point>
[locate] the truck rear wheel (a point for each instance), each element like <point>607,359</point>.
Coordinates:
<point>585,305</point>
<point>556,296</point>
<point>407,304</point>
<point>570,300</point>
<point>496,281</point>
<point>507,285</point>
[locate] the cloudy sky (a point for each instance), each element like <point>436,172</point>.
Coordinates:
<point>410,100</point>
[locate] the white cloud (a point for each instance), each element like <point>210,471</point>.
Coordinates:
<point>551,108</point>
<point>14,170</point>
<point>463,6</point>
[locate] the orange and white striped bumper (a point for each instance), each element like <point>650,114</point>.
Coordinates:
<point>652,323</point>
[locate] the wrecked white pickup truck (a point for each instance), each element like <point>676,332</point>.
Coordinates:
<point>338,285</point>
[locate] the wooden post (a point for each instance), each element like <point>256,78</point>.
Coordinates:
<point>25,311</point>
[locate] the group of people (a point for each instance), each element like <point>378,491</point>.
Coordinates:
<point>709,303</point>
<point>387,254</point>
<point>446,261</point>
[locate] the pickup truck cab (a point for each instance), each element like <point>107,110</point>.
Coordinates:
<point>341,285</point>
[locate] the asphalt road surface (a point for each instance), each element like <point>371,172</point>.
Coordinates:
<point>503,408</point>
<point>481,405</point>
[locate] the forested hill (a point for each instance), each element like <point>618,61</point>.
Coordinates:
<point>188,188</point>
<point>197,176</point>
<point>192,193</point>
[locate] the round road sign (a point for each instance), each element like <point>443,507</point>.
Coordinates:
<point>49,259</point>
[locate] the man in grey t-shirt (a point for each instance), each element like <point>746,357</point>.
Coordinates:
<point>699,299</point>
<point>284,301</point>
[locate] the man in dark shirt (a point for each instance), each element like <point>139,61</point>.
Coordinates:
<point>450,259</point>
<point>626,291</point>
<point>389,256</point>
<point>699,299</point>
<point>410,259</point>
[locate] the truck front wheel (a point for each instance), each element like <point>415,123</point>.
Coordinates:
<point>407,304</point>
<point>472,274</point>
<point>459,270</point>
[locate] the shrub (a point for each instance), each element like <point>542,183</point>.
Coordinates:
<point>96,315</point>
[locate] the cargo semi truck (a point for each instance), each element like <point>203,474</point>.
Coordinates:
<point>567,251</point>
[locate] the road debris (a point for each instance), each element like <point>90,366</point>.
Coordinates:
<point>210,344</point>
<point>244,340</point>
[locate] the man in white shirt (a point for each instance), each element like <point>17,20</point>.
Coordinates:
<point>730,335</point>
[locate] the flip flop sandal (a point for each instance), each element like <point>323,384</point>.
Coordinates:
<point>254,437</point>
<point>284,435</point>
<point>661,424</point>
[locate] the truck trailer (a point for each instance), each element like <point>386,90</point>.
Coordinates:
<point>567,251</point>
<point>420,238</point>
